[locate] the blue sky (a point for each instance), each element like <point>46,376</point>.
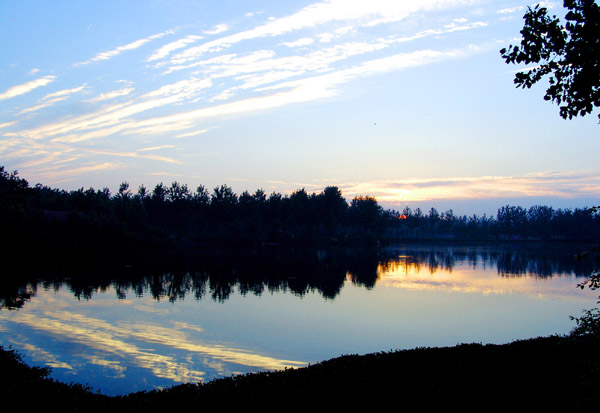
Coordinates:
<point>407,101</point>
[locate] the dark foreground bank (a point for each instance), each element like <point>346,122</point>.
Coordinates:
<point>552,373</point>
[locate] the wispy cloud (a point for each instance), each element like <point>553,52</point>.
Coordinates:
<point>55,162</point>
<point>262,71</point>
<point>111,95</point>
<point>372,12</point>
<point>65,174</point>
<point>118,50</point>
<point>51,98</point>
<point>164,174</point>
<point>219,28</point>
<point>510,10</point>
<point>190,134</point>
<point>26,87</point>
<point>131,155</point>
<point>571,184</point>
<point>64,92</point>
<point>7,124</point>
<point>397,193</point>
<point>155,148</point>
<point>165,50</point>
<point>548,4</point>
<point>118,118</point>
<point>305,41</point>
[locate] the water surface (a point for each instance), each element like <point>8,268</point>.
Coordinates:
<point>244,311</point>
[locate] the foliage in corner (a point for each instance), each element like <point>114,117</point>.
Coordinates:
<point>569,53</point>
<point>589,323</point>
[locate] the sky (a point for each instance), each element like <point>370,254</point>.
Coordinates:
<point>406,101</point>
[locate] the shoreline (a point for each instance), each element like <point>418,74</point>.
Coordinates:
<point>545,372</point>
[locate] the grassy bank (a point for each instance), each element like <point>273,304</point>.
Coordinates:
<point>544,373</point>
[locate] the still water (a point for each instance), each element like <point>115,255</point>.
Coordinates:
<point>243,311</point>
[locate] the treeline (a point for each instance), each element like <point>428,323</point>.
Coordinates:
<point>174,214</point>
<point>512,223</point>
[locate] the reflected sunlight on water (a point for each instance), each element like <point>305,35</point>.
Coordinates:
<point>127,336</point>
<point>468,278</point>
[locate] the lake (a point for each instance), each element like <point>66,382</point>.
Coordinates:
<point>227,312</point>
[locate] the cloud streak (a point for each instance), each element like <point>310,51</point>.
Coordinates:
<point>369,13</point>
<point>263,72</point>
<point>51,98</point>
<point>569,184</point>
<point>165,50</point>
<point>111,95</point>
<point>26,87</point>
<point>119,118</point>
<point>118,50</point>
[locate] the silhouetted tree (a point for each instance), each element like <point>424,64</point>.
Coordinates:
<point>223,204</point>
<point>569,53</point>
<point>124,192</point>
<point>223,196</point>
<point>159,193</point>
<point>300,217</point>
<point>252,212</point>
<point>434,215</point>
<point>418,213</point>
<point>512,220</point>
<point>332,209</point>
<point>367,216</point>
<point>178,192</point>
<point>201,196</point>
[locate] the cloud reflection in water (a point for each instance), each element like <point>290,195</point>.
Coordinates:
<point>119,343</point>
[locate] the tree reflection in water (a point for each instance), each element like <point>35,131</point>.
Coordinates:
<point>217,273</point>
